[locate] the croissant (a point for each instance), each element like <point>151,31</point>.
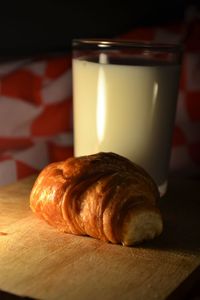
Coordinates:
<point>103,195</point>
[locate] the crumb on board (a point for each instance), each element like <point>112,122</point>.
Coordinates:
<point>3,233</point>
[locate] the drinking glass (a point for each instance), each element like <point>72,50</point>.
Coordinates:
<point>124,97</point>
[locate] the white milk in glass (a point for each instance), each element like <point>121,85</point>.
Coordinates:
<point>127,108</point>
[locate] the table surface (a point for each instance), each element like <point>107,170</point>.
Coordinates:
<point>38,262</point>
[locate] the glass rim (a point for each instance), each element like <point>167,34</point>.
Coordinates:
<point>94,43</point>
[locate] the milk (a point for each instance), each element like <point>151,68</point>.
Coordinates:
<point>126,109</point>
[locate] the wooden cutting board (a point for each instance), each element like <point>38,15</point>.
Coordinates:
<point>39,262</point>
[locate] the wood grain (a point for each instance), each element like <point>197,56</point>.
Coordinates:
<point>39,262</point>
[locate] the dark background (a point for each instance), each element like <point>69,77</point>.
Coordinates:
<point>32,27</point>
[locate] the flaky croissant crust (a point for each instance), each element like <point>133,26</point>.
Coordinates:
<point>99,195</point>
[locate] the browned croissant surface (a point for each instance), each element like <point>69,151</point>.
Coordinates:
<point>104,195</point>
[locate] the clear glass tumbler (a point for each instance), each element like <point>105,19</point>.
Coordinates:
<point>125,96</point>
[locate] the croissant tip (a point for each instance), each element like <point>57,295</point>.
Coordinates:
<point>146,225</point>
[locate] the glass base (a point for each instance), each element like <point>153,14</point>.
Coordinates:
<point>163,188</point>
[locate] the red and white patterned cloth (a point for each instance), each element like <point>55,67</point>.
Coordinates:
<point>36,108</point>
<point>35,115</point>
